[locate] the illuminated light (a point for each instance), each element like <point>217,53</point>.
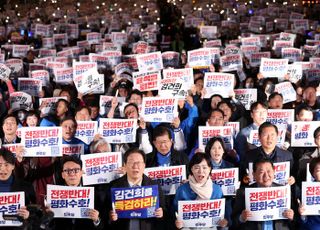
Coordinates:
<point>120,9</point>
<point>115,4</point>
<point>275,20</point>
<point>65,16</point>
<point>16,6</point>
<point>250,2</point>
<point>158,19</point>
<point>78,4</point>
<point>129,23</point>
<point>182,17</point>
<point>154,23</point>
<point>38,19</point>
<point>102,22</point>
<point>141,30</point>
<point>88,25</point>
<point>260,28</point>
<point>140,16</point>
<point>123,31</point>
<point>141,6</point>
<point>199,9</point>
<point>135,5</point>
<point>18,14</point>
<point>222,11</point>
<point>97,7</point>
<point>53,14</point>
<point>103,4</point>
<point>156,11</point>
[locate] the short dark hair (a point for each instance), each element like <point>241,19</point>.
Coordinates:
<point>132,151</point>
<point>161,130</point>
<point>215,110</point>
<point>215,95</point>
<point>303,107</point>
<point>74,158</point>
<point>7,155</point>
<point>313,164</point>
<point>274,94</point>
<point>66,118</point>
<point>137,92</point>
<point>211,142</point>
<point>228,103</point>
<point>316,132</point>
<point>197,159</point>
<point>62,100</point>
<point>9,116</point>
<point>267,124</point>
<point>254,105</point>
<point>261,161</point>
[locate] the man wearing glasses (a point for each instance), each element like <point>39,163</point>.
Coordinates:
<point>134,165</point>
<point>72,174</point>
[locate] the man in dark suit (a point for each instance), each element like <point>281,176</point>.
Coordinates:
<point>268,136</point>
<point>263,173</point>
<point>134,165</point>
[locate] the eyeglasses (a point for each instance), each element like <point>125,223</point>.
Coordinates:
<point>70,171</point>
<point>137,163</point>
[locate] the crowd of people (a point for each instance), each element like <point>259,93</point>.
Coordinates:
<point>174,27</point>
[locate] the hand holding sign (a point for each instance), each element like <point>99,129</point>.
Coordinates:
<point>245,215</point>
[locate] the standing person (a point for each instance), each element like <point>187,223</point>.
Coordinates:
<point>134,165</point>
<point>10,183</point>
<point>263,173</point>
<point>72,173</point>
<point>311,222</point>
<point>259,112</point>
<point>199,186</point>
<point>268,136</point>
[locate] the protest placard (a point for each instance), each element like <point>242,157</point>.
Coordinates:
<point>280,116</point>
<point>88,81</point>
<point>159,109</point>
<point>207,132</point>
<point>12,147</point>
<point>42,75</point>
<point>200,58</point>
<point>145,200</point>
<point>15,65</point>
<point>93,38</point>
<point>20,100</point>
<point>118,130</point>
<point>302,133</point>
<point>292,54</point>
<point>42,141</point>
<point>63,76</point>
<point>201,213</point>
<point>310,197</point>
<point>235,125</point>
<point>145,81</point>
<point>30,86</point>
<point>255,58</point>
<point>81,67</point>
<point>72,149</point>
<point>218,83</point>
<point>208,32</point>
<point>170,59</point>
<point>86,131</point>
<point>4,72</point>
<point>122,67</point>
<point>149,61</point>
<point>274,68</point>
<point>169,178</point>
<point>246,96</point>
<point>100,168</point>
<point>313,75</point>
<point>185,74</point>
<point>294,72</point>
<point>48,105</point>
<point>231,62</point>
<point>227,179</point>
<point>267,203</point>
<point>288,92</point>
<point>174,87</point>
<point>10,202</point>
<point>20,51</point>
<point>212,43</point>
<point>70,201</point>
<point>247,51</point>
